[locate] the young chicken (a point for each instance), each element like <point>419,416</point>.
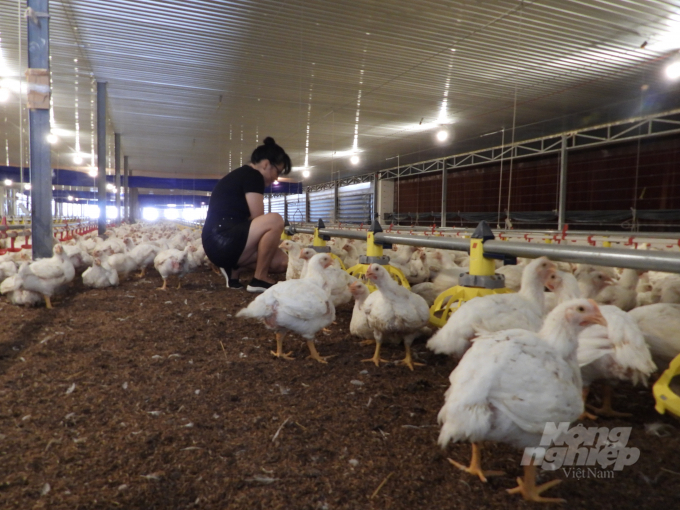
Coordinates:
<point>295,263</point>
<point>45,276</point>
<point>100,275</point>
<point>395,314</point>
<point>301,306</point>
<point>496,312</point>
<point>172,262</point>
<point>358,326</point>
<point>338,280</point>
<point>510,383</point>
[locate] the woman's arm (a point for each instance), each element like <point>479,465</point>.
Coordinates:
<point>255,204</point>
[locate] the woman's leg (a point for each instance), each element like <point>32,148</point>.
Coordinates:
<point>262,251</point>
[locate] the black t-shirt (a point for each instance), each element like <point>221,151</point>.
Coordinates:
<point>228,199</point>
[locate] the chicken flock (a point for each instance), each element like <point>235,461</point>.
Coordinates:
<point>523,359</point>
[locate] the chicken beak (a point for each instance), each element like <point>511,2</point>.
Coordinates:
<point>595,317</point>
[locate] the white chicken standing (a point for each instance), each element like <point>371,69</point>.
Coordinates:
<point>394,313</point>
<point>295,263</point>
<point>511,383</point>
<point>338,280</point>
<point>45,276</point>
<point>299,306</point>
<point>172,262</point>
<point>358,326</point>
<point>621,293</point>
<point>612,353</point>
<point>100,275</point>
<point>144,254</point>
<point>496,312</point>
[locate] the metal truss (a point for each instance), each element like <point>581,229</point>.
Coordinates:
<point>631,129</point>
<point>357,179</point>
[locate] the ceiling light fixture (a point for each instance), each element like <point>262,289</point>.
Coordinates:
<point>354,159</point>
<point>442,135</point>
<point>4,94</point>
<point>70,197</point>
<point>305,173</point>
<point>93,172</point>
<point>77,159</point>
<point>8,182</point>
<point>52,138</point>
<point>27,185</point>
<point>673,70</point>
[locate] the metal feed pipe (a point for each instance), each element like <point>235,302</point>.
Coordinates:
<point>615,257</point>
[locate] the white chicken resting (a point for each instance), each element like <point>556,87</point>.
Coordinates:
<point>300,306</point>
<point>496,312</point>
<point>100,275</point>
<point>510,383</point>
<point>660,324</point>
<point>358,326</point>
<point>45,276</point>
<point>395,314</point>
<point>17,295</point>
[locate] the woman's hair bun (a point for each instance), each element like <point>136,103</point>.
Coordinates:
<point>269,141</point>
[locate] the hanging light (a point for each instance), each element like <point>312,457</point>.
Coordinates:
<point>8,182</point>
<point>354,159</point>
<point>442,135</point>
<point>77,159</point>
<point>70,198</point>
<point>305,173</point>
<point>673,70</point>
<point>27,185</point>
<point>52,138</point>
<point>93,171</point>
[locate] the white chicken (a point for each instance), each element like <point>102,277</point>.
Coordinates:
<point>144,254</point>
<point>513,275</point>
<point>613,352</point>
<point>395,314</point>
<point>100,275</point>
<point>358,326</point>
<point>337,279</point>
<point>45,276</point>
<point>621,293</point>
<point>511,383</point>
<point>660,324</point>
<point>591,283</point>
<point>426,291</point>
<point>17,295</point>
<point>299,306</point>
<point>496,312</point>
<point>295,263</point>
<point>172,262</point>
<point>123,263</point>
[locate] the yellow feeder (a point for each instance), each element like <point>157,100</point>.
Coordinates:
<point>480,281</point>
<point>374,255</point>
<point>666,387</point>
<point>319,243</point>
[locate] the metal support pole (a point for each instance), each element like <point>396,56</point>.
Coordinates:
<point>307,205</point>
<point>117,166</point>
<point>101,155</point>
<point>126,186</point>
<point>336,202</point>
<point>561,205</point>
<point>444,191</point>
<point>39,128</point>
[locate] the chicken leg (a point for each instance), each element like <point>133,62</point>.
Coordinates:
<point>376,355</point>
<point>528,489</point>
<point>475,467</point>
<point>606,409</point>
<point>48,301</point>
<point>142,272</point>
<point>314,354</point>
<point>279,347</point>
<point>408,360</point>
<point>585,414</point>
<point>165,285</point>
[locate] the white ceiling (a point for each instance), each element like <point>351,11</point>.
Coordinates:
<point>193,86</point>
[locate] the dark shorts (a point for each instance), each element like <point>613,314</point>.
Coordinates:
<point>224,243</point>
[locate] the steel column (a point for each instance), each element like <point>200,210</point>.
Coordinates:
<point>444,191</point>
<point>126,185</point>
<point>562,201</point>
<point>39,128</point>
<point>117,166</point>
<point>101,154</point>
